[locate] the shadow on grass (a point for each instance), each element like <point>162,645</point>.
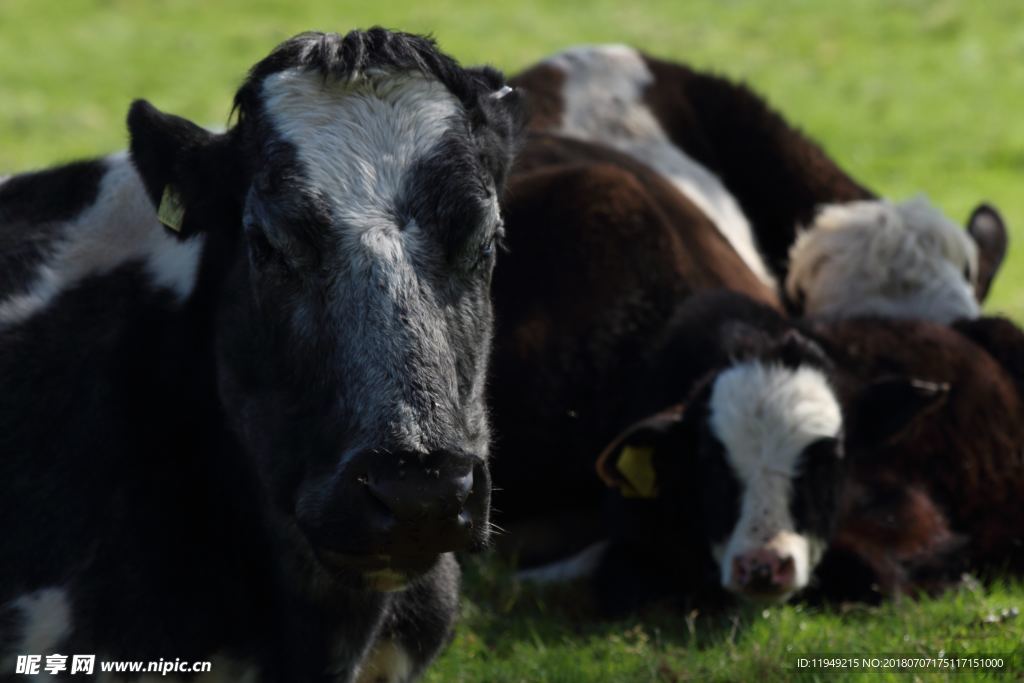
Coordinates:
<point>500,609</point>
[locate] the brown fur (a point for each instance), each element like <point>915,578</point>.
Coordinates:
<point>543,84</point>
<point>962,465</point>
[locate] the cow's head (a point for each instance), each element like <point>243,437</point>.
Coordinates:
<point>758,455</point>
<point>351,220</point>
<point>895,259</point>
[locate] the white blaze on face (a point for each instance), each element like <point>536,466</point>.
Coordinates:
<point>764,416</point>
<point>882,258</point>
<point>358,139</point>
<point>119,228</point>
<point>604,102</point>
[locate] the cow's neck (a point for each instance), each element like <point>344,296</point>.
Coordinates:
<point>777,174</point>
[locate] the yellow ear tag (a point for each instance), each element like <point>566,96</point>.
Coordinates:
<point>172,210</point>
<point>637,467</point>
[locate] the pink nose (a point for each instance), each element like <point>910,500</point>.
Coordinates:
<point>763,572</point>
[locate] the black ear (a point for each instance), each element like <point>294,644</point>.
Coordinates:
<point>192,176</point>
<point>888,407</point>
<point>628,462</point>
<point>988,230</point>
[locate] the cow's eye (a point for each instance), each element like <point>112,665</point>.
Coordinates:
<point>967,272</point>
<point>485,255</point>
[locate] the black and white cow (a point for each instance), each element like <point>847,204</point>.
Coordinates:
<point>885,455</point>
<point>240,440</point>
<point>796,218</point>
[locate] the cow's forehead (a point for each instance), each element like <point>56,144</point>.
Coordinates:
<point>766,414</point>
<point>357,140</point>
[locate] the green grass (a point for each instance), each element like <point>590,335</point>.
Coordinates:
<point>511,634</point>
<point>911,96</point>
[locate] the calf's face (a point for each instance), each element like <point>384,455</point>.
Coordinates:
<point>772,445</point>
<point>759,456</point>
<point>354,323</point>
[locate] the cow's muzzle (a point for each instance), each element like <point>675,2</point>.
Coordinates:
<point>399,510</point>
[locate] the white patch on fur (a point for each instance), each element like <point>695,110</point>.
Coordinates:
<point>357,139</point>
<point>578,566</point>
<point>765,416</point>
<point>903,260</point>
<point>44,621</point>
<point>120,227</point>
<point>604,102</point>
<point>388,662</point>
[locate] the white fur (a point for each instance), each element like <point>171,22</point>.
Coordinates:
<point>578,566</point>
<point>388,662</point>
<point>358,139</point>
<point>120,227</point>
<point>603,93</point>
<point>883,258</point>
<point>44,620</point>
<point>765,415</point>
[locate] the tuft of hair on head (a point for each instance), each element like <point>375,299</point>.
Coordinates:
<point>877,257</point>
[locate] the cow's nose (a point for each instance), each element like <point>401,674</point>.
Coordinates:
<point>432,502</point>
<point>420,492</point>
<point>763,573</point>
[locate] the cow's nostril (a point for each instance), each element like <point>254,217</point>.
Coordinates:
<point>429,493</point>
<point>785,572</point>
<point>463,488</point>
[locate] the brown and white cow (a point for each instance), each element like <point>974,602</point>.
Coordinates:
<point>797,219</point>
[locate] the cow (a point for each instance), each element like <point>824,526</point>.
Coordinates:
<point>848,459</point>
<point>253,431</point>
<point>797,219</point>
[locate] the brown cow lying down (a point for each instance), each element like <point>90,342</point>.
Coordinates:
<point>797,220</point>
<point>852,458</point>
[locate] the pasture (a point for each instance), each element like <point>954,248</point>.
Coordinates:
<point>910,96</point>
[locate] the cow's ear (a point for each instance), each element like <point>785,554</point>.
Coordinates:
<point>987,229</point>
<point>628,462</point>
<point>191,175</point>
<point>887,408</point>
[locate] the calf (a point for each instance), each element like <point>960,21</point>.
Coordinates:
<point>796,219</point>
<point>885,454</point>
<point>234,438</point>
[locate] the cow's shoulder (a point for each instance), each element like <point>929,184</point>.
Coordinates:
<point>62,227</point>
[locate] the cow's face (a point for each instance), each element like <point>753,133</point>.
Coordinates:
<point>355,323</point>
<point>895,259</point>
<point>769,458</point>
<point>758,455</point>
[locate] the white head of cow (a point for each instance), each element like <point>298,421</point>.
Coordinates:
<point>351,217</point>
<point>894,259</point>
<point>774,423</point>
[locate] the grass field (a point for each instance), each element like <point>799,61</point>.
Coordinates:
<point>911,96</point>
